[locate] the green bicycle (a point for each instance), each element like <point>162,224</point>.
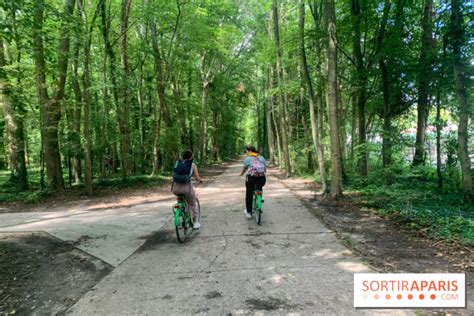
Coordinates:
<point>257,205</point>
<point>183,220</point>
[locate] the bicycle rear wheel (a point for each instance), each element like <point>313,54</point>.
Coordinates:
<point>181,228</point>
<point>258,216</point>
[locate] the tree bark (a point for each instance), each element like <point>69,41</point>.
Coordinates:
<point>269,110</point>
<point>124,113</point>
<point>279,72</point>
<point>14,127</point>
<point>87,95</point>
<point>161,89</point>
<point>336,167</point>
<point>309,86</point>
<point>424,80</point>
<point>110,54</point>
<point>361,88</point>
<point>76,116</point>
<point>206,78</point>
<point>439,127</point>
<point>156,140</point>
<point>386,112</point>
<point>181,110</point>
<point>203,122</point>
<point>457,30</point>
<point>276,130</point>
<point>51,107</point>
<point>215,144</point>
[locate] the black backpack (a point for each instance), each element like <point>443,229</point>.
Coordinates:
<point>182,171</point>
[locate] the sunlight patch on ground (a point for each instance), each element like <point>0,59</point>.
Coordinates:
<point>354,267</point>
<point>330,254</point>
<point>277,278</point>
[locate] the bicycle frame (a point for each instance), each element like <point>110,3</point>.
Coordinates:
<point>181,208</point>
<point>258,196</point>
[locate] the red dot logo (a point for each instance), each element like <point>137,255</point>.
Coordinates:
<point>422,297</point>
<point>387,296</point>
<point>410,296</point>
<point>399,296</point>
<point>433,296</point>
<point>376,296</point>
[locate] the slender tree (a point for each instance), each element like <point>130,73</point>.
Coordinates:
<point>86,79</point>
<point>124,113</point>
<point>269,112</point>
<point>279,75</point>
<point>12,112</point>
<point>309,87</point>
<point>331,96</point>
<point>361,86</point>
<point>425,75</point>
<point>457,30</point>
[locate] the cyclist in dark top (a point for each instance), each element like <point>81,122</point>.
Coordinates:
<point>183,185</point>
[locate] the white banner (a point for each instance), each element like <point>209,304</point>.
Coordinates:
<point>409,290</point>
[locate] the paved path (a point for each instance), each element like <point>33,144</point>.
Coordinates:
<point>111,235</point>
<point>291,264</point>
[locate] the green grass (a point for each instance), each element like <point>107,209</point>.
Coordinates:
<point>413,199</point>
<point>130,182</point>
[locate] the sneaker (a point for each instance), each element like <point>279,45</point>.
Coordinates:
<point>196,225</point>
<point>247,214</point>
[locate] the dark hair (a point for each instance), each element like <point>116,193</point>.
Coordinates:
<point>252,149</point>
<point>187,154</point>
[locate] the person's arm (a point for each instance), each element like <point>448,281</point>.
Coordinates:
<point>196,173</point>
<point>243,170</point>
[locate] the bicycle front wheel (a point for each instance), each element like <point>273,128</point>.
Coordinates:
<point>198,215</point>
<point>181,228</point>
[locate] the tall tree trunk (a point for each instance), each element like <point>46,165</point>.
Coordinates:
<point>105,140</point>
<point>87,96</point>
<point>14,127</point>
<point>181,111</point>
<point>161,89</point>
<point>110,54</point>
<point>206,78</point>
<point>457,29</point>
<point>76,115</point>
<point>439,127</point>
<point>279,72</point>
<point>320,125</point>
<point>156,140</point>
<point>361,87</point>
<point>124,113</point>
<point>269,110</point>
<point>336,167</point>
<point>51,107</point>
<point>386,112</point>
<point>353,125</point>
<point>387,126</point>
<point>309,86</point>
<point>215,145</point>
<point>203,122</point>
<point>20,112</point>
<point>341,118</point>
<point>277,132</point>
<point>424,79</point>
